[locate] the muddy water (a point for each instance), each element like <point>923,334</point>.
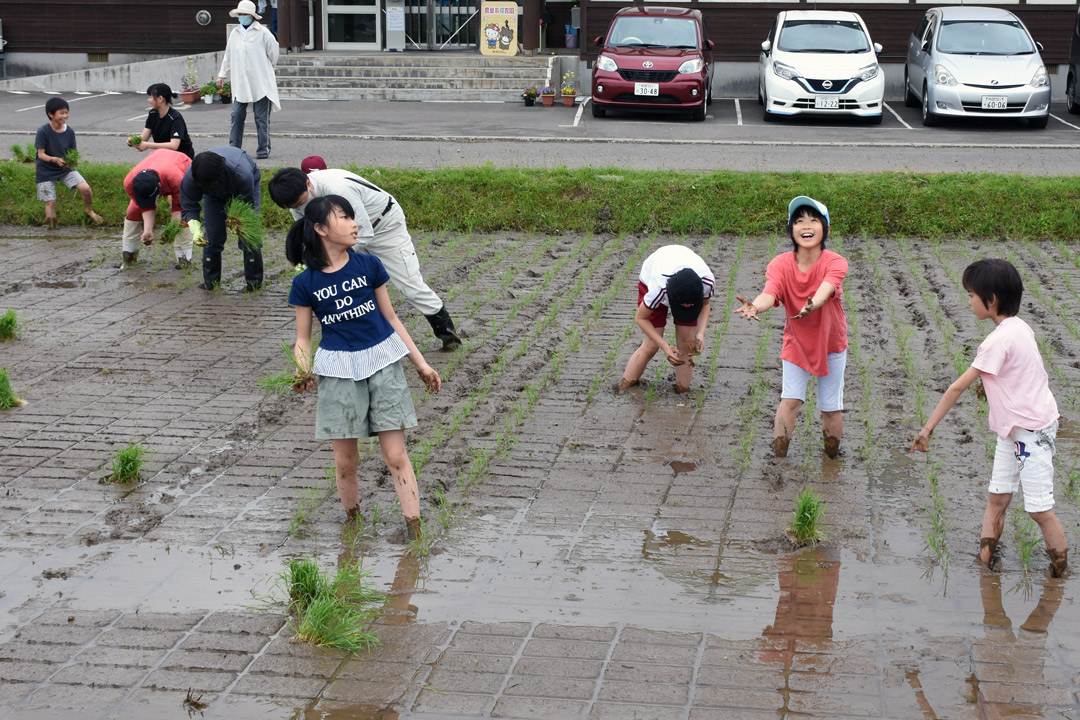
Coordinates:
<point>621,555</point>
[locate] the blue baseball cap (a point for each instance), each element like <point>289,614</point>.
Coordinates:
<point>803,201</point>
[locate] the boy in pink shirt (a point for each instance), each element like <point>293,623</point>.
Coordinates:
<point>808,281</point>
<point>1022,411</point>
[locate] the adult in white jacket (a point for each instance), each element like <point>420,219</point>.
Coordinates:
<point>250,56</point>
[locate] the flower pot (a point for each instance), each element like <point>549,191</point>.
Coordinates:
<point>568,100</point>
<point>226,99</point>
<point>529,102</point>
<point>548,100</point>
<point>189,96</point>
<point>208,99</point>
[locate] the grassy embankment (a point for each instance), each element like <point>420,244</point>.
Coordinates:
<point>609,200</point>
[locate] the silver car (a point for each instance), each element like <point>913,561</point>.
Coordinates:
<point>975,62</point>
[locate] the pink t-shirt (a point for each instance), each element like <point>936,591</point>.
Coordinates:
<point>1015,380</point>
<point>809,340</point>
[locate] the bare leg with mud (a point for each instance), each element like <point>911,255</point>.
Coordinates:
<point>88,202</point>
<point>635,368</point>
<point>686,347</point>
<point>397,460</point>
<point>1054,536</point>
<point>786,415</point>
<point>832,426</point>
<point>50,214</point>
<point>346,459</point>
<point>992,527</point>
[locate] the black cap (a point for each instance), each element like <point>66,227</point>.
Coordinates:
<point>685,296</point>
<point>145,187</point>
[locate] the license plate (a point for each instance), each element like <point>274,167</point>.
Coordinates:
<point>826,103</point>
<point>995,102</point>
<point>650,89</point>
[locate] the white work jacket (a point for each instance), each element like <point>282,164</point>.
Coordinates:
<point>249,65</point>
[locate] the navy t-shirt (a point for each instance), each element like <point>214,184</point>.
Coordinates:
<point>55,144</point>
<point>344,303</point>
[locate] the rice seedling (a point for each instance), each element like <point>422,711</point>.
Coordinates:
<point>9,323</point>
<point>242,219</point>
<point>330,611</point>
<point>127,464</point>
<point>134,140</point>
<point>25,154</point>
<point>1026,536</point>
<point>169,232</point>
<point>295,377</point>
<point>8,399</point>
<point>420,546</point>
<point>805,528</point>
<point>310,499</point>
<point>72,158</point>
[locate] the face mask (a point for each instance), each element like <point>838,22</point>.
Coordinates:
<point>245,20</point>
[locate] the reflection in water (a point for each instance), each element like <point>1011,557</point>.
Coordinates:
<point>804,609</point>
<point>398,610</point>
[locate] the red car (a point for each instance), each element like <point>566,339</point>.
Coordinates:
<point>654,58</point>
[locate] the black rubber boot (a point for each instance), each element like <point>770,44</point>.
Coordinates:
<point>253,270</point>
<point>211,271</point>
<point>443,327</point>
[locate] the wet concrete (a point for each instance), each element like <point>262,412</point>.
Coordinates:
<point>618,555</point>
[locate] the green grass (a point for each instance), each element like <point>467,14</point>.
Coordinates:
<point>331,610</point>
<point>9,322</point>
<point>25,154</point>
<point>127,464</point>
<point>486,199</point>
<point>805,528</point>
<point>7,395</point>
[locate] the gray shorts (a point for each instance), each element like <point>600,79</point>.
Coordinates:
<point>46,191</point>
<point>363,408</point>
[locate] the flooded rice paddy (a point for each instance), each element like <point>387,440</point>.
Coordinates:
<point>597,555</point>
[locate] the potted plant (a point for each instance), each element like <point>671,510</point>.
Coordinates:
<point>529,95</point>
<point>569,92</point>
<point>225,92</point>
<point>209,91</point>
<point>547,95</point>
<point>189,84</point>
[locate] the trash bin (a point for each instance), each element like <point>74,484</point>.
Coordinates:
<point>571,36</point>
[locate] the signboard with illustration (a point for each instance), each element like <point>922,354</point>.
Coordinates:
<point>499,26</point>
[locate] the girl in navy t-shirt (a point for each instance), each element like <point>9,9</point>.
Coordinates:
<point>362,388</point>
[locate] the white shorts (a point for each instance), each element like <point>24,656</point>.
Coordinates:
<point>830,388</point>
<point>1026,458</point>
<point>46,191</point>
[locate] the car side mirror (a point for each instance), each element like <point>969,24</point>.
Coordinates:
<point>926,46</point>
<point>1039,45</point>
<point>766,46</point>
<point>878,48</point>
<point>710,44</point>
<point>599,40</point>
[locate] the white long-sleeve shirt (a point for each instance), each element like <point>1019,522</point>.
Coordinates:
<point>250,57</point>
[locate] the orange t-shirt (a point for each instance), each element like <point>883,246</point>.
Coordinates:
<point>809,340</point>
<point>170,166</point>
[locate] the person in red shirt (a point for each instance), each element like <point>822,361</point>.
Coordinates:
<point>808,282</point>
<point>158,174</point>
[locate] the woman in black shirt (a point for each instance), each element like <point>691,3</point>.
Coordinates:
<point>165,127</point>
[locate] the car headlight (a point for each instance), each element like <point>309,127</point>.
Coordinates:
<point>868,73</point>
<point>606,64</point>
<point>943,76</point>
<point>1040,79</point>
<point>785,71</point>
<point>692,66</point>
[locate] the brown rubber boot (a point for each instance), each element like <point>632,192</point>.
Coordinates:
<point>415,527</point>
<point>832,445</point>
<point>780,446</point>
<point>130,258</point>
<point>993,560</point>
<point>1059,562</point>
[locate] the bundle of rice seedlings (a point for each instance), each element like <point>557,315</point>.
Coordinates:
<point>127,464</point>
<point>8,323</point>
<point>27,154</point>
<point>295,377</point>
<point>134,139</point>
<point>242,219</point>
<point>7,395</point>
<point>331,611</point>
<point>169,232</point>
<point>72,157</point>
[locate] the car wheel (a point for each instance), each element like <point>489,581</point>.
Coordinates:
<point>1038,122</point>
<point>698,113</point>
<point>598,111</point>
<point>929,119</point>
<point>1070,97</point>
<point>909,97</point>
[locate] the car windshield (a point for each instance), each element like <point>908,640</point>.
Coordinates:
<point>662,32</point>
<point>823,36</point>
<point>968,37</point>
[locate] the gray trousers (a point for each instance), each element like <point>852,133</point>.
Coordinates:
<point>393,245</point>
<point>262,124</point>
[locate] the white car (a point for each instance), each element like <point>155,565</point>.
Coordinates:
<point>820,62</point>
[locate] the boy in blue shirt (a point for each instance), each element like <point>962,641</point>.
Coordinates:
<point>54,139</point>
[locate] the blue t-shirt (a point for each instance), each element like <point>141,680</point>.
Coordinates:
<point>344,303</point>
<point>55,144</point>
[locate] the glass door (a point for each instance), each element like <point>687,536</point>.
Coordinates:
<point>352,25</point>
